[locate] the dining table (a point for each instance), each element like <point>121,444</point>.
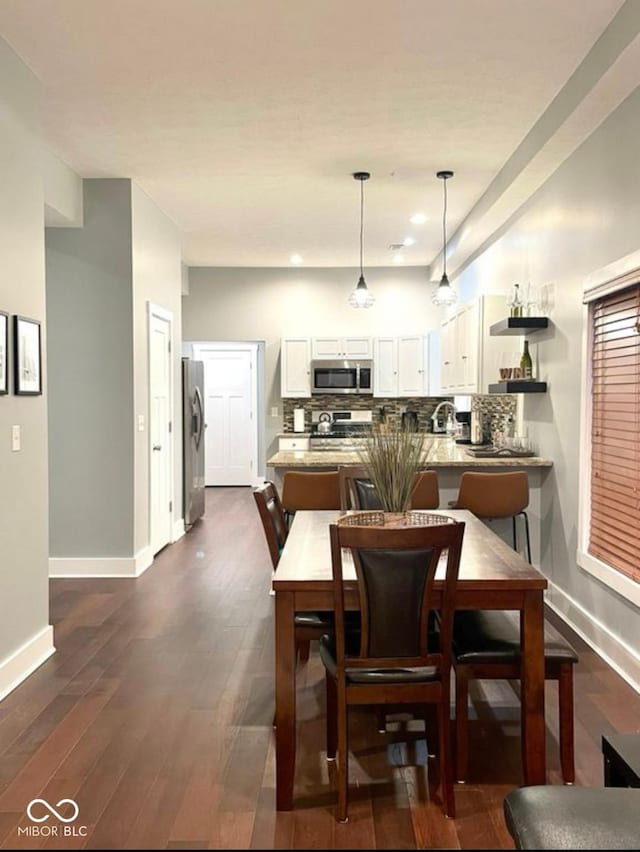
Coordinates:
<point>492,576</point>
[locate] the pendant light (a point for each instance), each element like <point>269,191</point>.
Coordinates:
<point>444,293</point>
<point>361,297</point>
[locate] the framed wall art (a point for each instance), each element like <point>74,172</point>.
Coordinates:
<point>4,352</point>
<point>27,356</point>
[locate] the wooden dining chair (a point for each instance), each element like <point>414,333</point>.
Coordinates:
<point>308,625</point>
<point>396,660</point>
<point>356,489</point>
<point>309,490</point>
<point>358,492</point>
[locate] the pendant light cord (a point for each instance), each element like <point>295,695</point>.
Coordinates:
<point>361,226</point>
<point>444,229</point>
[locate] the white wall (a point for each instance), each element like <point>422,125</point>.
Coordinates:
<point>157,278</point>
<point>267,304</point>
<point>584,217</point>
<point>25,635</point>
<point>63,193</point>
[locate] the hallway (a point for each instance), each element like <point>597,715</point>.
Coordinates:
<point>155,716</point>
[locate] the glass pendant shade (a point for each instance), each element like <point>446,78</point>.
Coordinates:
<point>444,294</point>
<point>361,297</point>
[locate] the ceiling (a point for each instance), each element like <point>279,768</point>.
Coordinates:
<point>244,119</point>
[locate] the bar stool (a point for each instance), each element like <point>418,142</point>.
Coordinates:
<point>496,495</point>
<point>309,490</point>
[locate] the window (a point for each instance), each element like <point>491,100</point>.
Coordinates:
<point>614,534</point>
<point>609,522</point>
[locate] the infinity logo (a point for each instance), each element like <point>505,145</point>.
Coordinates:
<point>52,810</point>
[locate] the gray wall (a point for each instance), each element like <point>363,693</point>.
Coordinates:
<point>24,603</point>
<point>90,354</point>
<point>585,216</point>
<point>268,304</point>
<point>100,279</point>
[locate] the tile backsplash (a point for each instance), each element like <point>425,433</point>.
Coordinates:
<point>494,408</point>
<point>424,406</point>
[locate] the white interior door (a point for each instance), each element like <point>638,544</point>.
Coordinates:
<point>230,413</point>
<point>160,430</point>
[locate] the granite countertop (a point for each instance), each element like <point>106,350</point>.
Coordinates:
<point>437,454</point>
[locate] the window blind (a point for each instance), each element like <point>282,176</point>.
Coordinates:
<point>614,535</point>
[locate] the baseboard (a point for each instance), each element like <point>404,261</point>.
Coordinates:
<point>615,652</point>
<point>108,566</point>
<point>178,529</point>
<point>23,662</point>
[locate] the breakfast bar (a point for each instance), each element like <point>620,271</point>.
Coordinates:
<point>449,460</point>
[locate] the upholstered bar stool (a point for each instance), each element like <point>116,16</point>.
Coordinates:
<point>310,490</point>
<point>496,495</point>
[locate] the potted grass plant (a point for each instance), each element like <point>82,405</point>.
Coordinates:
<point>392,457</point>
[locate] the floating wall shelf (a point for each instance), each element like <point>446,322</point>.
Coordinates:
<point>518,325</point>
<point>518,386</point>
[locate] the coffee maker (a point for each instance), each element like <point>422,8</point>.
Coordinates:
<point>463,430</point>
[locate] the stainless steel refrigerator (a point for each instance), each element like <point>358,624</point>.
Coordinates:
<point>193,427</point>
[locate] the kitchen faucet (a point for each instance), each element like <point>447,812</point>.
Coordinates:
<point>450,427</point>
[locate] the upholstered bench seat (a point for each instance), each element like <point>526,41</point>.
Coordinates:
<point>486,644</point>
<point>574,817</point>
<point>493,636</point>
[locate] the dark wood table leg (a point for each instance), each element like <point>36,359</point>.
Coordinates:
<point>285,700</point>
<point>532,698</point>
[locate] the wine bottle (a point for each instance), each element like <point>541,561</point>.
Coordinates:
<point>525,362</point>
<point>516,302</point>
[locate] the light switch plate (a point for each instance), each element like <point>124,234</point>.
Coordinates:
<point>15,439</point>
<point>140,422</point>
<point>274,410</point>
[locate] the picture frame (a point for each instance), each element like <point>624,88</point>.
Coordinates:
<point>4,353</point>
<point>27,356</point>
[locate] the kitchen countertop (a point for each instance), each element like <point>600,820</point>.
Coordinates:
<point>438,453</point>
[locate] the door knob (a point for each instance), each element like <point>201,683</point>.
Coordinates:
<point>157,447</point>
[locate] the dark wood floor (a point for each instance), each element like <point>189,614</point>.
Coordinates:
<point>155,716</point>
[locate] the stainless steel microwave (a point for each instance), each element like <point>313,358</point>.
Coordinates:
<point>342,376</point>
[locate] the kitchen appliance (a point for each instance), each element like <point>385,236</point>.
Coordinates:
<point>463,435</point>
<point>409,420</point>
<point>324,423</point>
<point>348,430</point>
<point>193,427</point>
<point>345,376</point>
<point>477,427</point>
<point>298,419</point>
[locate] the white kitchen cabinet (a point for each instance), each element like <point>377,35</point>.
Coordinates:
<point>293,444</point>
<point>340,347</point>
<point>400,366</point>
<point>470,357</point>
<point>295,367</point>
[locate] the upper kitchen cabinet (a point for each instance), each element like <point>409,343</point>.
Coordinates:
<point>400,366</point>
<point>295,369</point>
<point>340,347</point>
<point>470,357</point>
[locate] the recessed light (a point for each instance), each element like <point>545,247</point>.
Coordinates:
<point>418,219</point>
<point>295,259</point>
<point>398,258</point>
<point>408,241</point>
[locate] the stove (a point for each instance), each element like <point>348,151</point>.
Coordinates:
<point>348,431</point>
